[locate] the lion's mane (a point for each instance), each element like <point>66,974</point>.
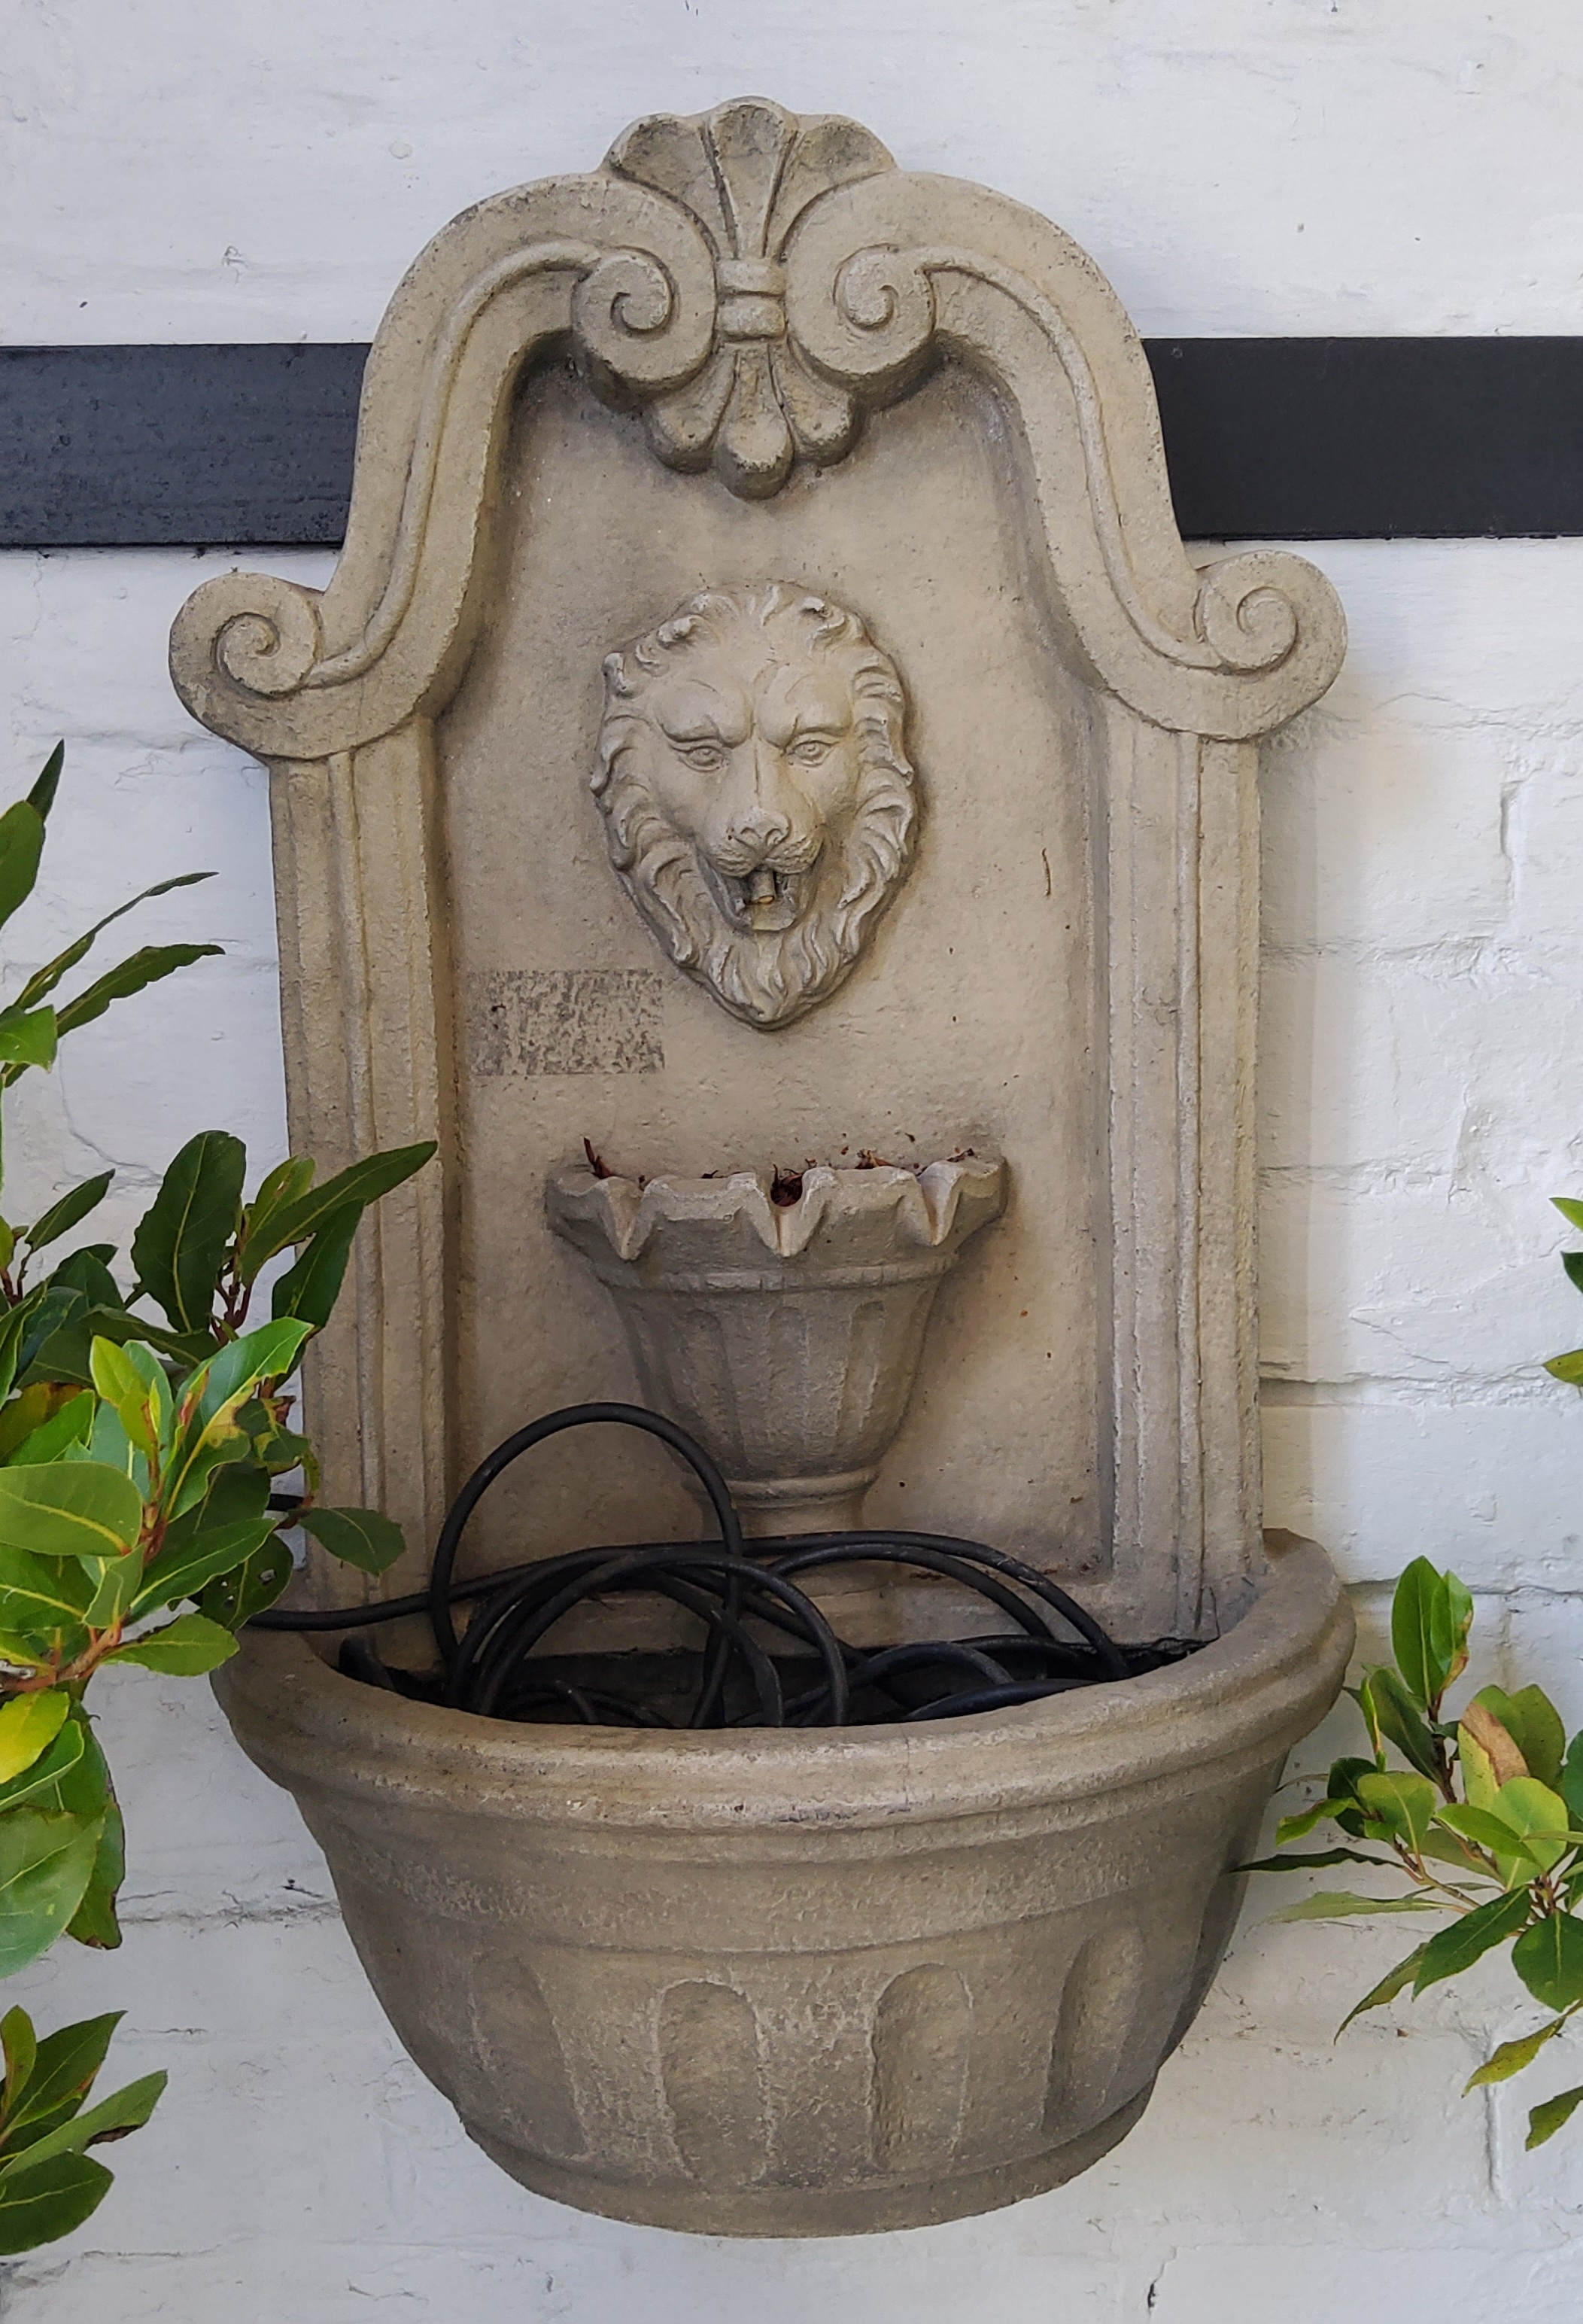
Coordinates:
<point>768,980</point>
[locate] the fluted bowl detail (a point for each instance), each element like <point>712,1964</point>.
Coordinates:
<point>785,1334</point>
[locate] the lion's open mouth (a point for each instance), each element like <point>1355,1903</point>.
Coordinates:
<point>765,899</point>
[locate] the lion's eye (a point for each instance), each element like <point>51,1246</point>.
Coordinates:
<point>707,757</point>
<point>810,751</point>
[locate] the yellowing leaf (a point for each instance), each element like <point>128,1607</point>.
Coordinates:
<point>1512,2057</point>
<point>29,1724</point>
<point>79,1508</point>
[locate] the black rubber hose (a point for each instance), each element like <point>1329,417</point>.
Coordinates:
<point>731,1589</point>
<point>538,1432</point>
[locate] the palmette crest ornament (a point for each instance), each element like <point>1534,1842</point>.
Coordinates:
<point>747,172</point>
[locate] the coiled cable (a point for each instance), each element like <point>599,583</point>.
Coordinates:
<point>737,1592</point>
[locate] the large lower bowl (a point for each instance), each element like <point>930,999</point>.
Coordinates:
<point>801,1983</point>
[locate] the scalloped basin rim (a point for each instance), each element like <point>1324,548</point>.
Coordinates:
<point>1259,1687</point>
<point>926,1204</point>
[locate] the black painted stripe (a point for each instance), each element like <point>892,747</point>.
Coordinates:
<point>1274,440</point>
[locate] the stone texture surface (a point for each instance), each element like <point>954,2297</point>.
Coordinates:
<point>799,1983</point>
<point>251,182</point>
<point>781,1325</point>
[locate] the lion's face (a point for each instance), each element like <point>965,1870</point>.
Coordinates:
<point>759,804</point>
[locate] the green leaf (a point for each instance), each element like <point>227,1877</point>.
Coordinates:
<point>364,1183</point>
<point>69,1212</point>
<point>1451,1950</point>
<point>39,2206</point>
<point>1486,1829</point>
<point>66,1356</point>
<point>359,1537</point>
<point>1400,1720</point>
<point>234,1598</point>
<point>310,1288</point>
<point>20,1653</point>
<point>1459,1615</point>
<point>184,1571</point>
<point>42,798</point>
<point>44,980</point>
<point>1548,1959</point>
<point>113,2117</point>
<point>1572,1261</point>
<point>1538,1814</point>
<point>64,2070</point>
<point>1421,1632</point>
<point>20,2045</point>
<point>27,1036</point>
<point>87,1793</point>
<point>93,1923</point>
<point>139,969</point>
<point>29,1724</point>
<point>1569,1782</point>
<point>108,1443</point>
<point>113,1592</point>
<point>287,1182</point>
<point>1512,2057</point>
<point>45,1864</point>
<point>1572,1212</point>
<point>270,1353</point>
<point>181,1244</point>
<point>1298,1826</point>
<point>1404,1804</point>
<point>1534,1725</point>
<point>1395,1982</point>
<point>13,1324</point>
<point>1442,1847</point>
<point>212,1399</point>
<point>274,1448</point>
<point>1313,1863</point>
<point>1340,1906</point>
<point>52,1764</point>
<point>184,1648</point>
<point>22,843</point>
<point>1341,1791</point>
<point>1568,1368</point>
<point>130,1380</point>
<point>70,1424</point>
<point>43,1601</point>
<point>1544,2121</point>
<point>84,1270</point>
<point>123,1387</point>
<point>235,1496</point>
<point>80,1508</point>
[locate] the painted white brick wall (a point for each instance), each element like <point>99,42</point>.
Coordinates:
<point>179,171</point>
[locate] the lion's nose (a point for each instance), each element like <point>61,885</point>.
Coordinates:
<point>760,827</point>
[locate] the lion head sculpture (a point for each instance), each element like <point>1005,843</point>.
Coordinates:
<point>759,804</point>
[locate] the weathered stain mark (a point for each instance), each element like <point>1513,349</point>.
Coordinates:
<point>523,1022</point>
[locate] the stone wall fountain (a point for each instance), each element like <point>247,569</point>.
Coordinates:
<point>765,736</point>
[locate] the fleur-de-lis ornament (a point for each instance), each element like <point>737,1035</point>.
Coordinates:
<point>747,172</point>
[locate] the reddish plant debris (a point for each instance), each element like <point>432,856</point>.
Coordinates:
<point>595,1159</point>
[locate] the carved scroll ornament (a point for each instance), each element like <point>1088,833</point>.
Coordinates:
<point>753,283</point>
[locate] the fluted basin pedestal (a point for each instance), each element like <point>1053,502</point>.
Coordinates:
<point>801,1982</point>
<point>781,1325</point>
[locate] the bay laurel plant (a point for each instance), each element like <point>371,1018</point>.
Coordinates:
<point>140,1523</point>
<point>1483,1821</point>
